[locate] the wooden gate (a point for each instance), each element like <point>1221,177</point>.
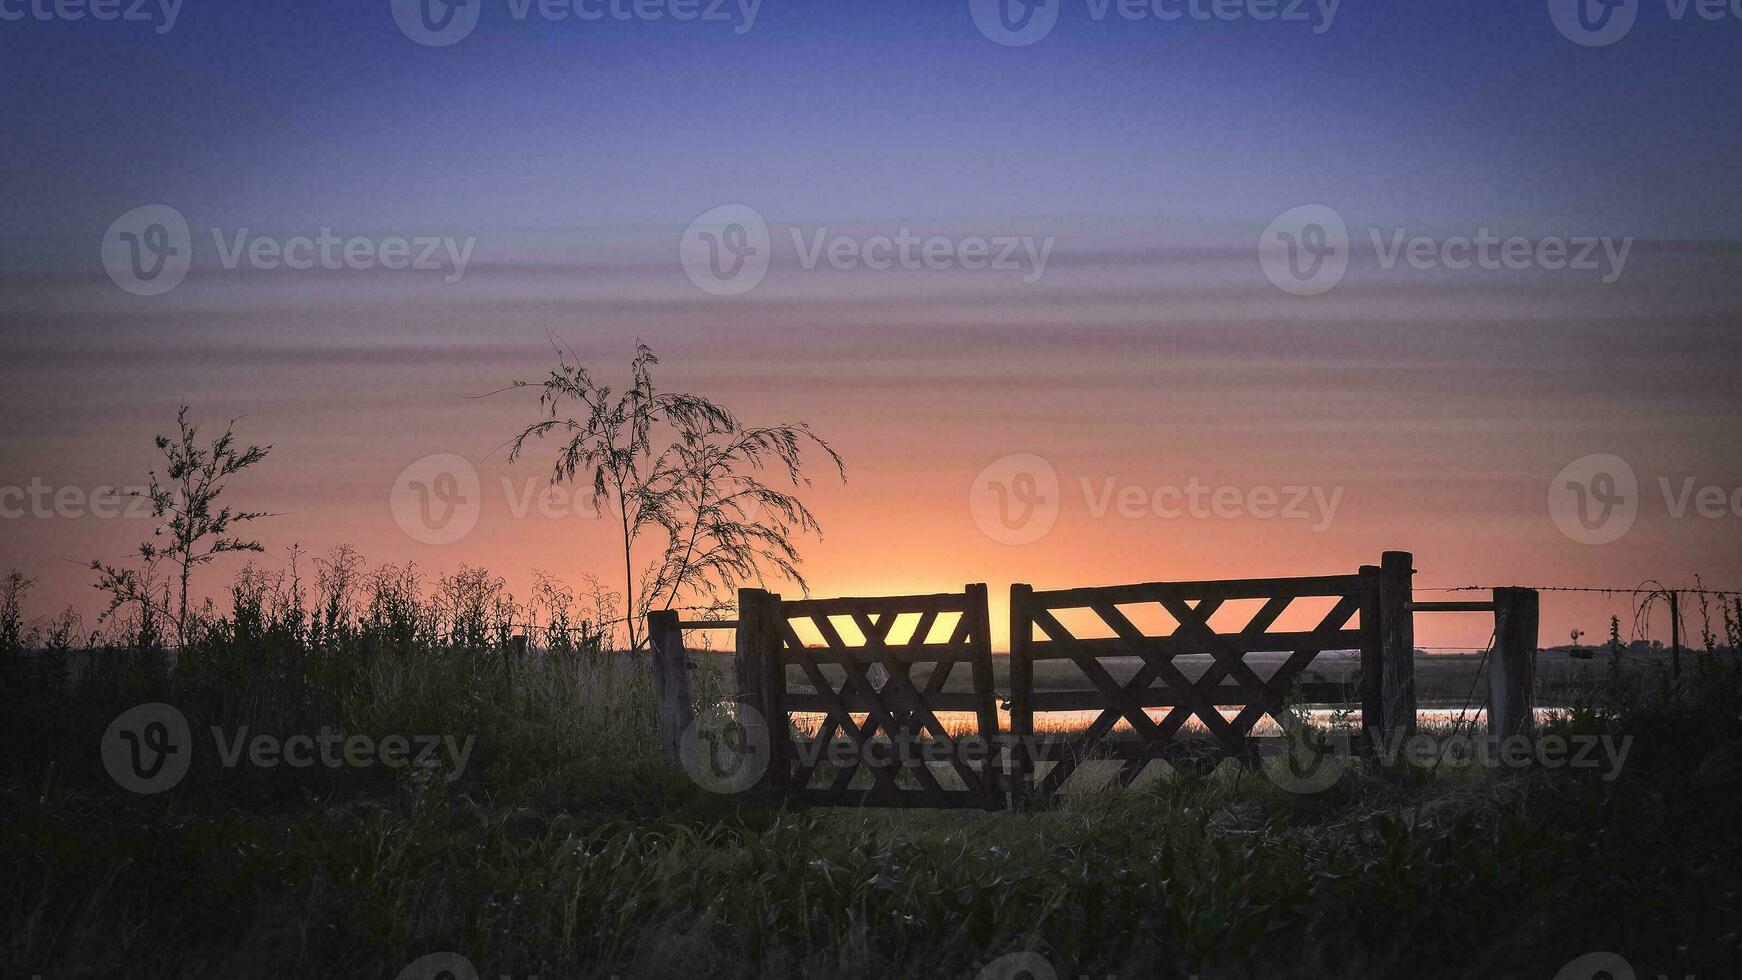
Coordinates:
<point>883,721</point>
<point>1037,635</point>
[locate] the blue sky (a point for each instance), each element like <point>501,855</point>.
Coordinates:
<point>290,116</point>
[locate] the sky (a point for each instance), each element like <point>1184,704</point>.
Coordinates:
<point>1136,346</point>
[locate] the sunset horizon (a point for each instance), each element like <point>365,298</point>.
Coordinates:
<point>965,490</point>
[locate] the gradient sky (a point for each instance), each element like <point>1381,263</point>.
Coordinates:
<point>1153,350</point>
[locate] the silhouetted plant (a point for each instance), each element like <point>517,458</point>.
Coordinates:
<point>196,528</point>
<point>684,465</point>
<point>477,608</point>
<point>568,629</point>
<point>13,631</point>
<point>396,617</point>
<point>337,578</point>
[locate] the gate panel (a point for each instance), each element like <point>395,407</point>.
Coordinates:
<point>898,729</point>
<point>1037,635</point>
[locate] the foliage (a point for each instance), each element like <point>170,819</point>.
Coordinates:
<point>684,467</point>
<point>13,630</point>
<point>196,528</point>
<point>567,848</point>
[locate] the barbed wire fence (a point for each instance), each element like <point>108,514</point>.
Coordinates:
<point>1645,596</point>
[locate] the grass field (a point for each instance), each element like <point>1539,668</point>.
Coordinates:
<point>565,846</point>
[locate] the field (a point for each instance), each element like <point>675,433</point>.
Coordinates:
<point>565,846</point>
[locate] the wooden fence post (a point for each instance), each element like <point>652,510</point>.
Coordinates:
<point>1021,686</point>
<point>673,710</point>
<point>986,707</point>
<point>1372,665</point>
<point>759,676</point>
<point>1512,674</point>
<point>1396,591</point>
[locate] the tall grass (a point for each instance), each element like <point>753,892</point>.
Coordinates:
<point>567,848</point>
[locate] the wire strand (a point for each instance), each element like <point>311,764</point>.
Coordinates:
<point>1639,590</point>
